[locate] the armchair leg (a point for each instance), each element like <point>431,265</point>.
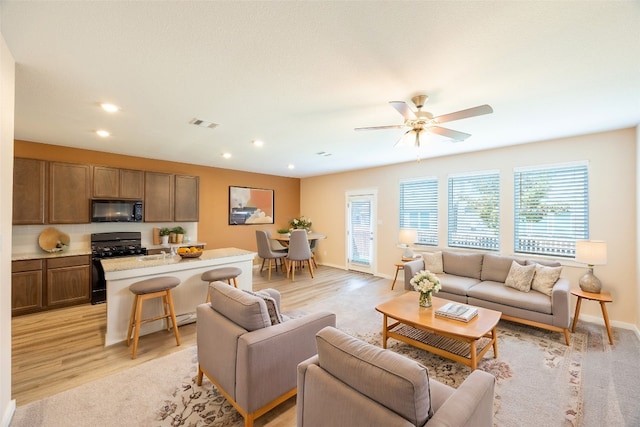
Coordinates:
<point>200,374</point>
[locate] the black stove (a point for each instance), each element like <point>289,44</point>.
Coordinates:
<point>111,245</point>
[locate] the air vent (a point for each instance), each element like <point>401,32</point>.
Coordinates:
<point>203,123</point>
<point>323,153</point>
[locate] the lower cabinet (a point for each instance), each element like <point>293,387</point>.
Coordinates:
<point>45,284</point>
<point>26,286</point>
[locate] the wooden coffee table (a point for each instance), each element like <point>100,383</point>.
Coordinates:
<point>463,342</point>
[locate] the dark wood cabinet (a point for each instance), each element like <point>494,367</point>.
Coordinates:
<point>26,286</point>
<point>43,284</point>
<point>29,191</point>
<point>186,198</point>
<point>69,189</point>
<point>158,197</point>
<point>131,184</point>
<point>111,183</point>
<point>68,281</point>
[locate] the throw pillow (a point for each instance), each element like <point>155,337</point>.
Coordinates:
<point>545,278</point>
<point>520,276</point>
<point>433,262</point>
<point>272,307</point>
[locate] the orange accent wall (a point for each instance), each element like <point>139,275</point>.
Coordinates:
<point>213,226</point>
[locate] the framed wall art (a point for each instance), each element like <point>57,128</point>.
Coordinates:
<point>249,205</point>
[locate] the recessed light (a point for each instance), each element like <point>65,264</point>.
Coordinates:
<point>291,166</point>
<point>226,155</point>
<point>258,142</point>
<point>103,133</point>
<point>109,108</point>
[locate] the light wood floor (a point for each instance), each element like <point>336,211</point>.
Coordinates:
<point>61,349</point>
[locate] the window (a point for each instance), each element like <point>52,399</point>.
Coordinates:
<point>551,209</point>
<point>419,208</point>
<point>474,211</point>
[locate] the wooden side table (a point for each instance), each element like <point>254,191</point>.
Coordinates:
<point>603,297</point>
<point>400,266</point>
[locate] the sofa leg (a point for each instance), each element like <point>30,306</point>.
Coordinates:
<point>566,336</point>
<point>200,373</point>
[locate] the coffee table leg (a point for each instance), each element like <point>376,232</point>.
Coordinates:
<point>494,332</point>
<point>384,331</point>
<point>474,357</point>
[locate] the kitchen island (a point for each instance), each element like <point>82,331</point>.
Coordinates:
<point>120,273</point>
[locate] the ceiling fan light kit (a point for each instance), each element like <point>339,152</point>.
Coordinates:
<point>423,121</point>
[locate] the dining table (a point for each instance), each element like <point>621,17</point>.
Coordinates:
<point>284,238</point>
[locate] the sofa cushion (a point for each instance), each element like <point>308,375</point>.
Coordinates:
<point>433,262</point>
<point>394,381</point>
<point>456,284</point>
<point>545,278</point>
<point>520,276</point>
<point>496,267</point>
<point>245,310</point>
<point>498,293</point>
<point>461,264</point>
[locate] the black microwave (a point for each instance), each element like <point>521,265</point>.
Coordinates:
<point>116,210</point>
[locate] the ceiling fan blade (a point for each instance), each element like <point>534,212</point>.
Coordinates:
<point>381,127</point>
<point>401,141</point>
<point>403,109</point>
<point>463,114</point>
<point>449,133</point>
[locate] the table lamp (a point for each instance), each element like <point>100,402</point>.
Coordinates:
<point>591,252</point>
<point>407,237</point>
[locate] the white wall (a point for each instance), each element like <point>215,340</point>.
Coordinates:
<point>7,92</point>
<point>612,188</point>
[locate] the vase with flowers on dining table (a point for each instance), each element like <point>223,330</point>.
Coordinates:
<point>426,283</point>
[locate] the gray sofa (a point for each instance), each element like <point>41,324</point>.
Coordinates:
<point>353,383</point>
<point>487,280</point>
<point>250,351</point>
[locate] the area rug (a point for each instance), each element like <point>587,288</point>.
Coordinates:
<point>535,374</point>
<point>538,383</point>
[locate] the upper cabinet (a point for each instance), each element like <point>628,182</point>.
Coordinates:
<point>69,190</point>
<point>186,198</point>
<point>59,193</point>
<point>29,191</point>
<point>170,197</point>
<point>112,183</point>
<point>158,197</point>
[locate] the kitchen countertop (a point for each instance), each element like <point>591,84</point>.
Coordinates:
<point>43,254</point>
<point>131,263</point>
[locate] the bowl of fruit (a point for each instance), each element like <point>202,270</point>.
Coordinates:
<point>191,252</point>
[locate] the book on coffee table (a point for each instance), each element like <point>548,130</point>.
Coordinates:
<point>457,311</point>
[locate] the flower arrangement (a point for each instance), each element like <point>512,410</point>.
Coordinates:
<point>302,222</point>
<point>427,284</point>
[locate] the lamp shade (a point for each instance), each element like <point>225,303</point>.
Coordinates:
<point>408,236</point>
<point>591,252</point>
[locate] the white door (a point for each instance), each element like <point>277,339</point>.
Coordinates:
<point>361,236</point>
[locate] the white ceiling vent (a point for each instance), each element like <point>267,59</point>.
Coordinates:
<point>203,123</point>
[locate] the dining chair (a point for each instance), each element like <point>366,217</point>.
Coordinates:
<point>266,253</point>
<point>299,251</point>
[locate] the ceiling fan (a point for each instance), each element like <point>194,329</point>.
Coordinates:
<point>423,121</point>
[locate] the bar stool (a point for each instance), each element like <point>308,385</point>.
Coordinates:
<point>224,273</point>
<point>157,287</point>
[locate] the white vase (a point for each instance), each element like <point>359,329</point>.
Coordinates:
<point>165,240</point>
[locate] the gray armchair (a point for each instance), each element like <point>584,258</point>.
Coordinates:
<point>250,351</point>
<point>353,383</point>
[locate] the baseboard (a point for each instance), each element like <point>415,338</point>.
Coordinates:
<point>7,416</point>
<point>598,320</point>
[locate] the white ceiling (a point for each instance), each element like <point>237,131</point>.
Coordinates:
<point>302,75</point>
